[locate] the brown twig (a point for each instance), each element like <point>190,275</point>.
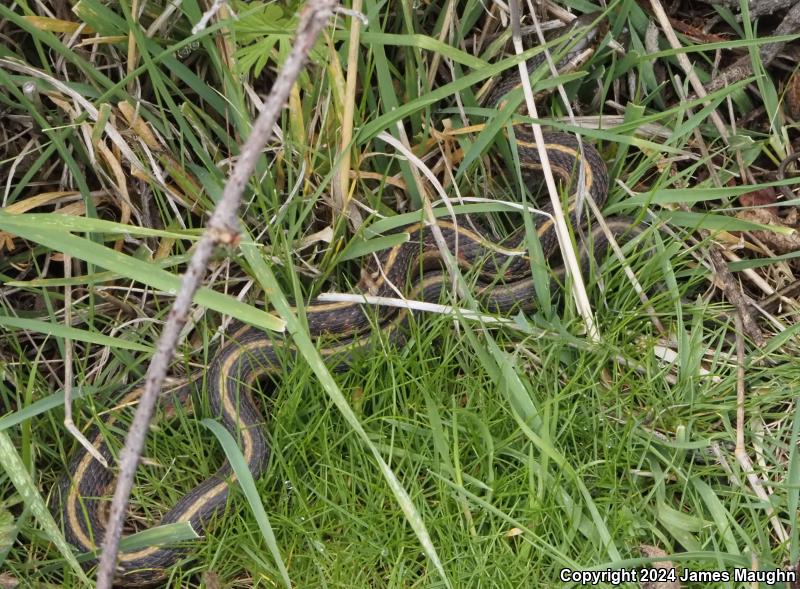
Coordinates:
<point>735,297</point>
<point>222,228</point>
<point>743,66</point>
<point>757,7</point>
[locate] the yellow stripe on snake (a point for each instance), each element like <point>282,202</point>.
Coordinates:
<point>504,283</point>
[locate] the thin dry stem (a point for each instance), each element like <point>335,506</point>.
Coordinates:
<point>637,286</point>
<point>568,253</point>
<point>740,452</point>
<point>743,67</point>
<point>68,376</point>
<point>686,65</point>
<point>403,146</point>
<point>344,192</point>
<point>739,385</point>
<point>222,228</point>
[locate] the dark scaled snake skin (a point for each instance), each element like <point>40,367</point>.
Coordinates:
<point>503,284</point>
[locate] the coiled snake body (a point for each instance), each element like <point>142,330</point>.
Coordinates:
<point>504,283</point>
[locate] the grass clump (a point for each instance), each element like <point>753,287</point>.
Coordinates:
<point>521,450</point>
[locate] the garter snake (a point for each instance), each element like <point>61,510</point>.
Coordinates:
<point>503,283</point>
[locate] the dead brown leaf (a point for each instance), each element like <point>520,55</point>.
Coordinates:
<point>777,242</point>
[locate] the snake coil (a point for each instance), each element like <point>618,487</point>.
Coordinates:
<point>504,283</point>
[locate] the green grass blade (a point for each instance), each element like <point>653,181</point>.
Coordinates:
<point>38,407</point>
<point>159,535</point>
<point>308,351</point>
<point>73,333</point>
<point>15,469</point>
<point>134,269</point>
<point>248,485</point>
